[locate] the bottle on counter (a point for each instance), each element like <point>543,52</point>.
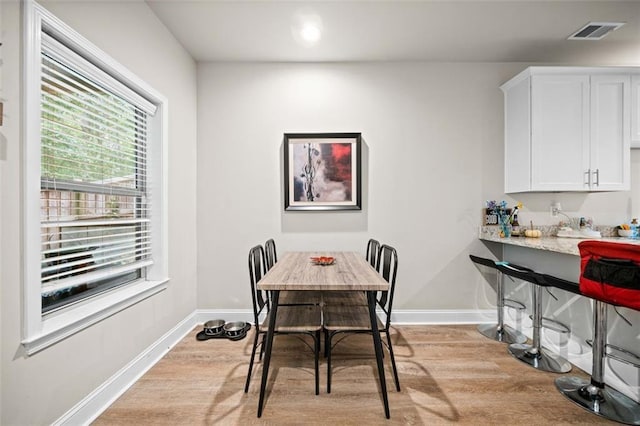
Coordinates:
<point>635,231</point>
<point>515,225</point>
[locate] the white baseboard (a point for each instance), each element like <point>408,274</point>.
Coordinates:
<point>403,317</point>
<point>443,317</point>
<point>204,315</point>
<point>90,407</point>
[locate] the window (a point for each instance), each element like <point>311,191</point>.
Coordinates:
<point>94,188</point>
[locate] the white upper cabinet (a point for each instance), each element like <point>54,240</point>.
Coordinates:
<point>568,129</point>
<point>559,132</point>
<point>610,161</point>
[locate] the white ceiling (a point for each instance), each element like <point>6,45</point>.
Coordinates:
<point>393,30</point>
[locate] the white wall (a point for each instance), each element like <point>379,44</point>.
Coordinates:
<point>39,389</point>
<point>433,136</point>
<point>432,155</point>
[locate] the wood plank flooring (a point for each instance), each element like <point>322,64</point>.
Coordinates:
<point>448,374</point>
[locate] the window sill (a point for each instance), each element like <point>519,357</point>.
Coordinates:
<point>61,325</point>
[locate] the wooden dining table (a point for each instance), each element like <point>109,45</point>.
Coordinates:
<point>349,272</point>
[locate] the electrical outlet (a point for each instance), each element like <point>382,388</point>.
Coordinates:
<point>555,209</point>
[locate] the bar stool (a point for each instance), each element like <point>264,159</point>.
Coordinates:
<point>595,395</point>
<point>534,354</point>
<point>499,331</point>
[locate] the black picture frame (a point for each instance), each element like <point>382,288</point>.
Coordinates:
<point>322,171</point>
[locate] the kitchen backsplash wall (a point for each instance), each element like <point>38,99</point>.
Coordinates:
<point>605,208</point>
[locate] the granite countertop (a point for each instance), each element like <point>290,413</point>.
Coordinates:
<point>546,242</point>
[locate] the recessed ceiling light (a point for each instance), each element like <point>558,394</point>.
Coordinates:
<point>310,32</point>
<point>306,28</point>
<point>595,30</point>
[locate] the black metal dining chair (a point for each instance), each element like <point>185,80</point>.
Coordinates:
<point>289,297</point>
<point>351,319</point>
<point>373,248</point>
<point>303,319</point>
<point>270,254</point>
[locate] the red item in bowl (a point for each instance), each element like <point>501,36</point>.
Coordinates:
<point>323,260</point>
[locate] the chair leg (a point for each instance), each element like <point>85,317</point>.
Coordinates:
<point>253,356</point>
<point>316,353</point>
<point>326,343</point>
<point>393,361</point>
<point>262,347</point>
<point>328,352</point>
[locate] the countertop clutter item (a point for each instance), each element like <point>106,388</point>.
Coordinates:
<point>532,233</point>
<point>625,233</point>
<point>499,214</point>
<point>634,228</point>
<point>586,233</point>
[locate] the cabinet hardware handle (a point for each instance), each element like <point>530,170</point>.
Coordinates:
<point>588,178</point>
<point>596,181</point>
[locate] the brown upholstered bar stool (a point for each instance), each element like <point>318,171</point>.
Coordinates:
<point>611,267</point>
<point>534,354</point>
<point>499,331</point>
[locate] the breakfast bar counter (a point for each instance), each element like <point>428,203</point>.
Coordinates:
<point>547,243</point>
<point>560,257</point>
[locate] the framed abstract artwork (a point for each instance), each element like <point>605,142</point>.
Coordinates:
<point>322,171</point>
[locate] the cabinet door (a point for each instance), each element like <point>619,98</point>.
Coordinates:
<point>559,132</point>
<point>517,146</point>
<point>635,111</point>
<point>610,135</point>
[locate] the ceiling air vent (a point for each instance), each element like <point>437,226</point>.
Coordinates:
<point>595,30</point>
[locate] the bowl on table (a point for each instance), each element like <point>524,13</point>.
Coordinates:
<point>323,260</point>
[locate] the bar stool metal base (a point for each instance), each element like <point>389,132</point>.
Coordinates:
<point>606,402</point>
<point>540,359</point>
<point>504,334</point>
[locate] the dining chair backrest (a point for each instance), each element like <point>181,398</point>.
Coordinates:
<point>373,248</point>
<point>256,272</point>
<point>271,256</point>
<point>387,263</point>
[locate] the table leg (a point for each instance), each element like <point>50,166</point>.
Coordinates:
<point>377,344</point>
<point>267,352</point>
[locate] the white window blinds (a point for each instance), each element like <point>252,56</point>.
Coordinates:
<point>95,208</point>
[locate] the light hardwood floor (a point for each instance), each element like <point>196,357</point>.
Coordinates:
<point>448,374</point>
